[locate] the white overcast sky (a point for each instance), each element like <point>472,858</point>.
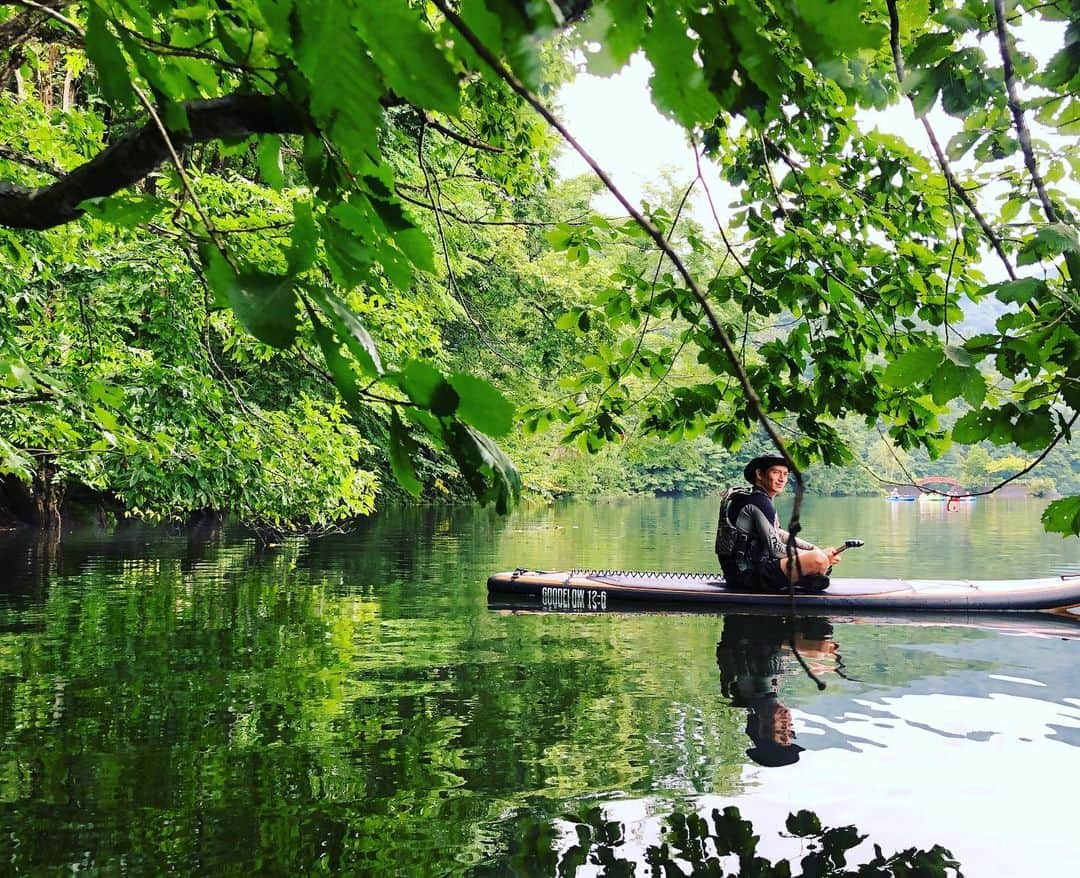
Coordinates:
<point>614,119</point>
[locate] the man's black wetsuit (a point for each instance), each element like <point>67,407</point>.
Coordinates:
<point>766,575</point>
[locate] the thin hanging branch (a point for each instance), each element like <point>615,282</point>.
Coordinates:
<point>451,278</point>
<point>911,483</point>
<point>720,335</point>
<point>939,153</point>
<point>652,295</point>
<point>1022,132</point>
<point>464,139</point>
<point>1072,260</point>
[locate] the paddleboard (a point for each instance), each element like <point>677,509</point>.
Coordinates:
<point>600,590</point>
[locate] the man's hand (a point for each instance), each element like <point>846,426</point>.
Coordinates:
<point>834,554</point>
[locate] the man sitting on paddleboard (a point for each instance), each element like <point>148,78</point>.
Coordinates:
<point>751,545</point>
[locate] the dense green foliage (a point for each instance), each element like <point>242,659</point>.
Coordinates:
<point>345,244</point>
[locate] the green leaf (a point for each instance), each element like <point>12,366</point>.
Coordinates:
<point>1010,209</point>
<point>219,274</point>
<point>804,824</point>
<point>103,49</point>
<point>1033,430</point>
<point>425,386</point>
<point>489,472</point>
<point>304,239</point>
<point>678,84</point>
<point>405,52</point>
<point>482,405</point>
<point>420,381</point>
<point>340,368</point>
<point>124,210</point>
<point>560,236</point>
<point>518,29</point>
<point>958,146</point>
<point>445,401</point>
<point>109,394</point>
<point>417,246</point>
<point>612,33</point>
<point>929,49</point>
<point>973,427</point>
<point>106,419</point>
<point>1023,290</point>
<point>349,328</point>
<point>403,449</point>
<point>1063,516</point>
<point>948,381</point>
<point>167,82</point>
<point>265,304</point>
<point>922,86</point>
<point>350,257</point>
<point>366,219</point>
<point>268,155</point>
<point>956,354</point>
<point>913,366</point>
<point>837,841</point>
<point>974,388</point>
<point>1047,242</point>
<point>829,28</point>
<point>487,26</point>
<point>345,84</point>
<point>575,320</point>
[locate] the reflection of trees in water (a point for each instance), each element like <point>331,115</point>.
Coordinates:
<point>212,705</point>
<point>722,844</point>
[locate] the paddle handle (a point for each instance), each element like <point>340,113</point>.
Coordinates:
<point>849,544</point>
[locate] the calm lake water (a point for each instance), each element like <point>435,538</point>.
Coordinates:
<point>196,703</point>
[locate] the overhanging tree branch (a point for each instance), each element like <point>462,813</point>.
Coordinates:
<point>1064,433</point>
<point>753,400</point>
<point>139,152</point>
<point>52,10</point>
<point>30,161</point>
<point>939,153</point>
<point>1024,134</point>
<point>33,24</point>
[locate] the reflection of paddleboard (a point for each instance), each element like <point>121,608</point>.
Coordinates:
<point>599,589</point>
<point>1060,625</point>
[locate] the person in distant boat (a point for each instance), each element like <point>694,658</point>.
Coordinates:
<point>751,545</point>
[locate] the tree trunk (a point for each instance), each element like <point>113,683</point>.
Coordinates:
<point>68,97</point>
<point>37,504</point>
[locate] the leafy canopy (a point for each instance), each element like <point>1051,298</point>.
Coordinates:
<point>846,274</point>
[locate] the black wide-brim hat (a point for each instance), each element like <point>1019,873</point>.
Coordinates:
<point>771,755</point>
<point>762,461</point>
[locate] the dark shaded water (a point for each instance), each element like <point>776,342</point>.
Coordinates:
<point>196,703</point>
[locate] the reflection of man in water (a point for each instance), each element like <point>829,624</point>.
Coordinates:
<point>754,654</point>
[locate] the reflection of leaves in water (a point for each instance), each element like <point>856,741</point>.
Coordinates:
<point>696,845</point>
